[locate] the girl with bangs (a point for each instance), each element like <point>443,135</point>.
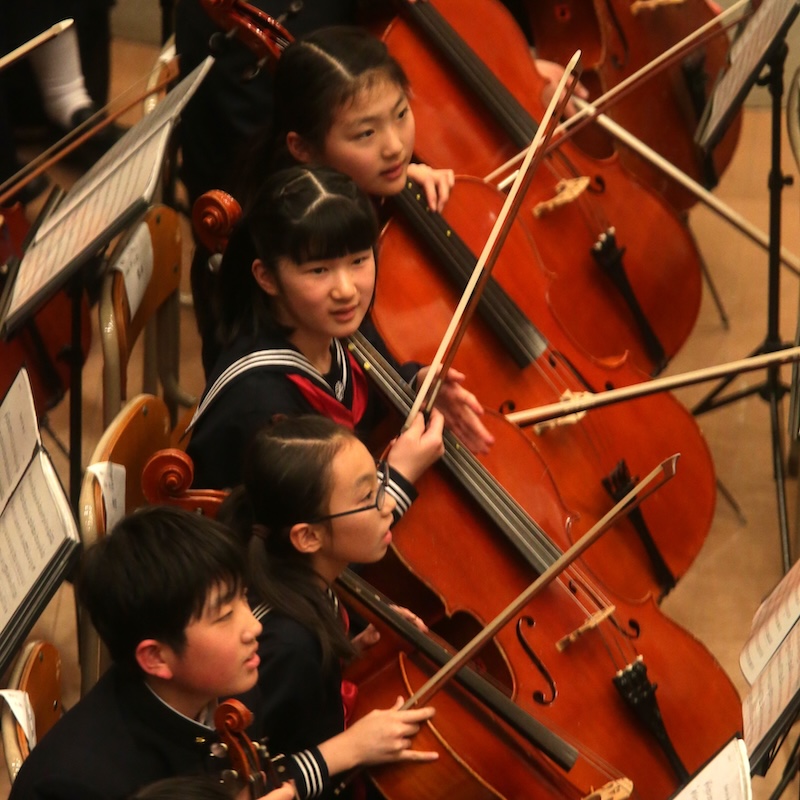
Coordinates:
<point>297,277</point>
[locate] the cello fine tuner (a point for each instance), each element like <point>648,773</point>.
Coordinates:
<point>590,624</point>
<point>619,789</point>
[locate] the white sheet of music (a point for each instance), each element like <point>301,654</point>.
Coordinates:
<point>123,181</point>
<point>746,54</point>
<point>19,434</point>
<point>33,525</point>
<point>775,617</point>
<point>772,691</point>
<point>725,777</point>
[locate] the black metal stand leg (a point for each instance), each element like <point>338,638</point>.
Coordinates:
<point>789,771</point>
<point>772,390</point>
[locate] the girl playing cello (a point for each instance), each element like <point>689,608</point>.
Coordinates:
<point>313,502</point>
<point>298,276</point>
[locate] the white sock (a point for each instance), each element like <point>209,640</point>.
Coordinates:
<point>57,65</point>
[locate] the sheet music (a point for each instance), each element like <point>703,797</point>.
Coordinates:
<point>725,777</point>
<point>118,187</point>
<point>775,617</point>
<point>38,535</point>
<point>83,231</point>
<point>19,434</point>
<point>33,526</point>
<point>772,691</point>
<point>768,23</point>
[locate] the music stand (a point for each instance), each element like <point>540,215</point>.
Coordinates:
<point>109,197</point>
<point>760,45</point>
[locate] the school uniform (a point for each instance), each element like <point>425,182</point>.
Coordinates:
<point>300,704</point>
<point>122,736</point>
<point>261,376</point>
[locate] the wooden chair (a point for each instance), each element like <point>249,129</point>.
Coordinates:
<point>139,430</point>
<point>142,288</point>
<point>37,671</point>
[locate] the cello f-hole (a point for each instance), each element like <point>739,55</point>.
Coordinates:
<point>597,185</point>
<point>538,695</point>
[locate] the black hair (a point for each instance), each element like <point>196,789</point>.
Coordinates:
<point>152,575</point>
<point>303,214</point>
<point>325,70</point>
<point>316,75</point>
<point>286,480</point>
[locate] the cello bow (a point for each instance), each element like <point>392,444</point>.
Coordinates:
<point>473,290</point>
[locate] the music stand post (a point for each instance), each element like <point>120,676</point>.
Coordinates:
<point>772,389</point>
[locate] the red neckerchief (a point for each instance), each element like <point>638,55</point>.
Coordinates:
<point>327,405</point>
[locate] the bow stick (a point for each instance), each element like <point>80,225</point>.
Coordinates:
<point>76,137</point>
<point>44,37</point>
<point>589,400</point>
<point>491,251</point>
<point>665,471</point>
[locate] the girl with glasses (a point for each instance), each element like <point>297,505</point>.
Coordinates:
<point>311,503</point>
<point>298,277</point>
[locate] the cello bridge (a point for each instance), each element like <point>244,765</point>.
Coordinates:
<point>590,624</point>
<point>619,789</point>
<point>567,190</point>
<point>568,419</point>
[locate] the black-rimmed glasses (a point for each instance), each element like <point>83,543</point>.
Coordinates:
<point>380,496</point>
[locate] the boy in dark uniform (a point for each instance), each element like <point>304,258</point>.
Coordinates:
<point>165,592</point>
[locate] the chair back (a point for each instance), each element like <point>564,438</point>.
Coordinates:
<point>111,488</point>
<point>37,671</point>
<point>140,292</point>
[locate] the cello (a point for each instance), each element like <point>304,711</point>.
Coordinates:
<point>491,513</point>
<point>588,685</point>
<point>497,760</point>
<point>626,36</point>
<point>517,364</point>
<point>627,253</point>
<point>653,766</point>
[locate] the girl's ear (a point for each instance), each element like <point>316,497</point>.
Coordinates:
<point>305,538</point>
<point>265,278</point>
<point>298,148</point>
<point>153,659</point>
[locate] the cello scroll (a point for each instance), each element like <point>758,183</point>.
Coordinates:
<point>247,758</point>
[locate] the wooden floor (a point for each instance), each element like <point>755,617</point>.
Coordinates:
<point>741,560</point>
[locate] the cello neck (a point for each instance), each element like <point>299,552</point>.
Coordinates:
<point>519,528</point>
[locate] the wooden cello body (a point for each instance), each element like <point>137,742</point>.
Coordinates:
<point>514,356</point>
<point>476,106</point>
<point>43,345</point>
<point>479,533</point>
<point>666,110</point>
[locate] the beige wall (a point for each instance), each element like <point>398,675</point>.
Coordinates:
<point>139,20</point>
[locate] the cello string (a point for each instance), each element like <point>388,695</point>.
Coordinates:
<point>397,390</point>
<point>528,534</point>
